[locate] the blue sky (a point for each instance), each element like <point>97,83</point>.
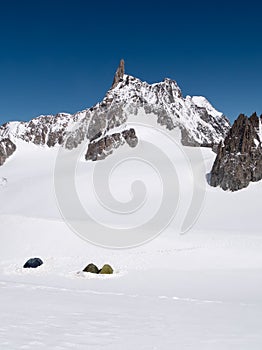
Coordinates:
<point>61,55</point>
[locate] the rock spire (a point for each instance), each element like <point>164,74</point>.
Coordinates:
<point>119,73</point>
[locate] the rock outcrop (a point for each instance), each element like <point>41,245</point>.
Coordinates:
<point>101,148</point>
<point>7,148</point>
<point>119,74</point>
<point>239,157</point>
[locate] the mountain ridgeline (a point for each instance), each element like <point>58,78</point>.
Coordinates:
<point>200,123</point>
<point>104,126</point>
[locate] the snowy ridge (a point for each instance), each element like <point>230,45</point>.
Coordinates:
<point>200,123</point>
<point>43,130</point>
<point>202,102</point>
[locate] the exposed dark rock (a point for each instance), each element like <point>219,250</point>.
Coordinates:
<point>130,137</point>
<point>119,74</point>
<point>33,263</point>
<point>7,148</point>
<point>101,148</point>
<point>239,157</point>
<point>219,127</point>
<point>187,139</point>
<point>91,268</point>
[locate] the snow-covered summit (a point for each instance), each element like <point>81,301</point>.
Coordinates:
<point>200,123</point>
<point>202,102</point>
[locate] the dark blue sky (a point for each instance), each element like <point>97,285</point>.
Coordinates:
<point>61,55</point>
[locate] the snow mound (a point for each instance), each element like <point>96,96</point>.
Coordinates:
<point>3,181</point>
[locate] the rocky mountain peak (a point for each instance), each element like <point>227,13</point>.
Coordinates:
<point>119,73</point>
<point>239,157</point>
<point>200,123</point>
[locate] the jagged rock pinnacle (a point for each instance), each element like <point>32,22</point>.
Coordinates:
<point>119,73</point>
<point>239,158</point>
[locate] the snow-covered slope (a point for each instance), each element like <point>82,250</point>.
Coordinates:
<point>201,290</point>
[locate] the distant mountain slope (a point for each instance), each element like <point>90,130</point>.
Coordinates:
<point>200,123</point>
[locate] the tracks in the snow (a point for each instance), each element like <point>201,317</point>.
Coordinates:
<point>7,284</point>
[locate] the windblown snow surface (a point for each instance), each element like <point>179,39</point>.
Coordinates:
<point>200,290</point>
